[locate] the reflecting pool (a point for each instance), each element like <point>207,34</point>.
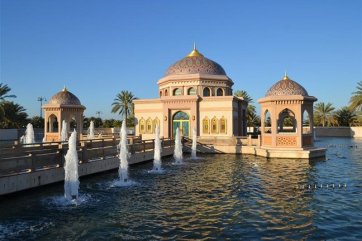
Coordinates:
<point>221,197</point>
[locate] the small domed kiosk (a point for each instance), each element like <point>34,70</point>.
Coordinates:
<point>64,105</point>
<point>287,121</point>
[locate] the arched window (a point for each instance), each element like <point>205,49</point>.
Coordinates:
<point>191,91</point>
<point>307,123</point>
<point>206,91</point>
<point>222,125</point>
<point>205,125</point>
<point>219,92</point>
<point>177,91</point>
<point>267,122</point>
<point>142,126</point>
<point>166,92</point>
<point>160,93</point>
<point>52,123</point>
<point>149,128</point>
<point>286,121</point>
<point>214,125</point>
<point>156,122</point>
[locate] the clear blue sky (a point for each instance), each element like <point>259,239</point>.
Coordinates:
<point>98,48</point>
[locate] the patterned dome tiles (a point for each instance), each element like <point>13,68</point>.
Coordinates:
<point>64,97</point>
<point>194,65</point>
<point>286,86</point>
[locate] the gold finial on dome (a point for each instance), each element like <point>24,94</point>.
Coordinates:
<point>64,89</point>
<point>285,76</point>
<point>194,52</point>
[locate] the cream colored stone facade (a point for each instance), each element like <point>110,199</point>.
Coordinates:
<point>62,106</point>
<point>195,92</point>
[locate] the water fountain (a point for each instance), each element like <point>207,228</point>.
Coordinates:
<point>157,153</point>
<point>194,144</point>
<point>71,182</point>
<point>28,138</point>
<point>91,131</point>
<point>178,148</point>
<point>123,156</point>
<point>64,133</point>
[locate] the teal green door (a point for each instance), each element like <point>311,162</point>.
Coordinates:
<point>181,120</point>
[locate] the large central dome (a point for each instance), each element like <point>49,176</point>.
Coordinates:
<point>195,63</point>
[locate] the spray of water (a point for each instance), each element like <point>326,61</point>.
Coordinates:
<point>194,143</point>
<point>71,182</point>
<point>123,167</point>
<point>91,131</point>
<point>178,148</point>
<point>64,133</point>
<point>157,153</point>
<point>29,135</point>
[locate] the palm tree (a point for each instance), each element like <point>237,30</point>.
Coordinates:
<point>15,115</point>
<point>345,117</point>
<point>123,103</point>
<point>244,94</point>
<point>324,113</point>
<point>356,99</point>
<point>252,118</point>
<point>4,89</point>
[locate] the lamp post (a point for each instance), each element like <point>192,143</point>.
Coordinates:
<point>99,114</point>
<point>41,99</point>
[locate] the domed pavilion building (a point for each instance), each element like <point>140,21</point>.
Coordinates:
<point>195,92</point>
<point>64,105</point>
<point>287,121</point>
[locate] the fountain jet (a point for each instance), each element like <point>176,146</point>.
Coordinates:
<point>194,144</point>
<point>178,148</point>
<point>64,133</point>
<point>157,153</point>
<point>123,167</point>
<point>71,182</point>
<point>91,131</point>
<point>28,138</point>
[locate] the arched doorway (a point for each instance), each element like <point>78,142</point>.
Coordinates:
<point>182,121</point>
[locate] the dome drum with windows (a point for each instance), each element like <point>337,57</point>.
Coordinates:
<point>195,75</point>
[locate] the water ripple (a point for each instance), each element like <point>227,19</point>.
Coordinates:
<point>220,197</point>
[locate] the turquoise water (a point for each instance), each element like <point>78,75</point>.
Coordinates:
<point>222,197</point>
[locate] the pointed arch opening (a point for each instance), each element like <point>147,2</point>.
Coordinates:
<point>149,126</point>
<point>267,122</point>
<point>214,124</point>
<point>142,126</point>
<point>307,122</point>
<point>206,125</point>
<point>287,122</point>
<point>52,125</point>
<point>222,125</point>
